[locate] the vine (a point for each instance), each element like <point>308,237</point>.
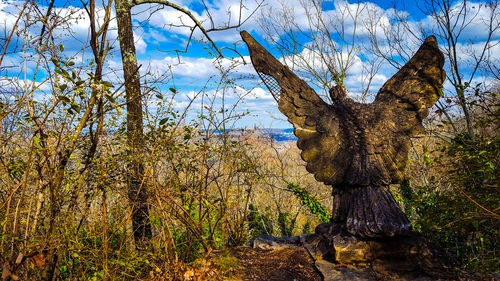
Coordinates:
<point>312,203</point>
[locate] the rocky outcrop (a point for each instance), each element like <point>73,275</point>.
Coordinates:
<point>339,255</point>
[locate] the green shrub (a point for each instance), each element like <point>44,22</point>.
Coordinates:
<point>314,206</point>
<point>462,218</point>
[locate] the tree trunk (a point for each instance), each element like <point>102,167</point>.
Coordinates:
<point>137,193</point>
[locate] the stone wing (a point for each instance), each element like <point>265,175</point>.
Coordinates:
<point>315,124</point>
<point>404,100</point>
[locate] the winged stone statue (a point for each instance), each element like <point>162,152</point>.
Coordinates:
<point>359,149</point>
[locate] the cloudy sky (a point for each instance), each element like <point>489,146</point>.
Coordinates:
<point>160,31</point>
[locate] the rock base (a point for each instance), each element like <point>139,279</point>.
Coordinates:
<point>338,255</point>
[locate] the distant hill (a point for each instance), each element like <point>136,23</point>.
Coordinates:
<point>280,135</point>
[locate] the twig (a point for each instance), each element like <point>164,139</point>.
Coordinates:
<point>479,205</point>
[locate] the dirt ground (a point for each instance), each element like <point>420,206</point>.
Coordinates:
<point>245,264</point>
<point>281,264</point>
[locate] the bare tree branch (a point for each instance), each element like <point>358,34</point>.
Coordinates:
<point>197,23</point>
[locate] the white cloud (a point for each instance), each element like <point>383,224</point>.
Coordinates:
<point>13,87</point>
<point>200,67</point>
<point>9,12</point>
<point>471,20</point>
<point>191,67</point>
<point>261,94</point>
<point>468,53</point>
<point>140,44</point>
<point>166,18</point>
<point>257,93</point>
<point>72,29</point>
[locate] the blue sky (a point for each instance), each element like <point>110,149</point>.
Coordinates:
<point>158,34</point>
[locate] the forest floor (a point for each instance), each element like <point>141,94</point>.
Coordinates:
<point>246,263</point>
<point>276,265</point>
<point>282,264</point>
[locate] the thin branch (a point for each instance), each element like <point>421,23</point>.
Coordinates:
<point>184,11</point>
<point>46,18</point>
<point>197,23</point>
<point>13,30</point>
<point>476,203</point>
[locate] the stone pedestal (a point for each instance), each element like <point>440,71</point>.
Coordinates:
<point>338,255</point>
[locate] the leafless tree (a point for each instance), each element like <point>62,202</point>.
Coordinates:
<point>467,58</point>
<point>322,46</point>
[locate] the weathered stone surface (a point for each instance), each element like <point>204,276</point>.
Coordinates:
<point>396,269</point>
<point>318,247</point>
<point>332,272</point>
<point>268,242</point>
<point>358,149</point>
<point>326,229</point>
<point>350,250</point>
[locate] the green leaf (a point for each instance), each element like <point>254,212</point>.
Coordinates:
<point>427,159</point>
<point>163,121</point>
<point>107,84</point>
<point>63,72</point>
<point>75,107</point>
<point>64,99</point>
<point>173,90</point>
<point>55,61</point>
<point>63,87</point>
<point>109,97</point>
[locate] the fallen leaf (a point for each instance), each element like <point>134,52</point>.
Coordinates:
<point>19,258</point>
